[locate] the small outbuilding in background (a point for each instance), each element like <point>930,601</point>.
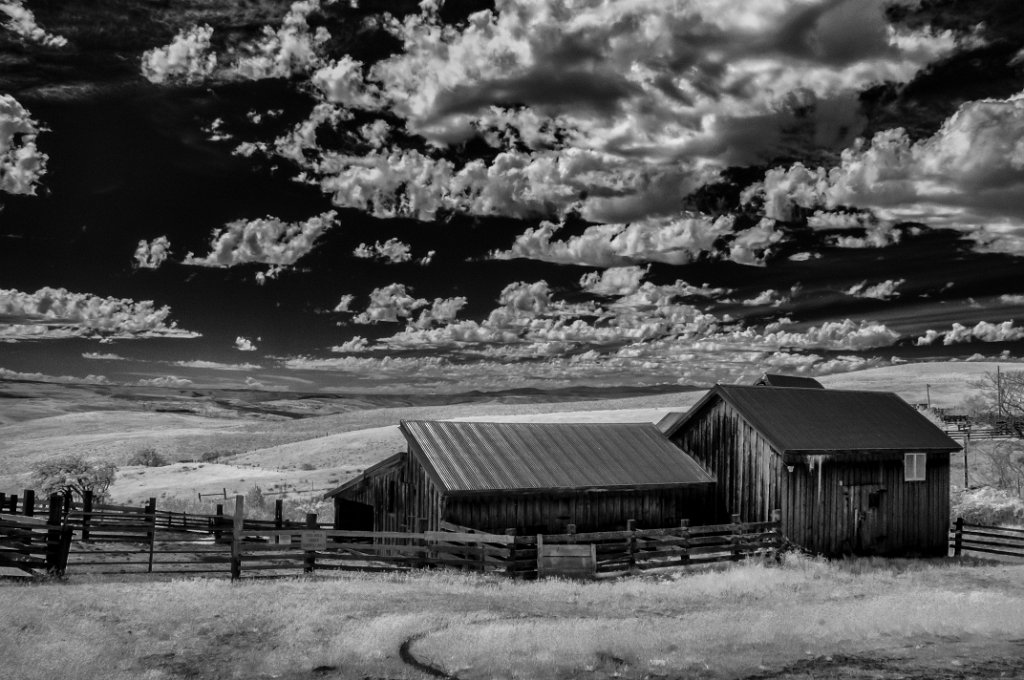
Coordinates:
<point>852,471</point>
<point>531,477</point>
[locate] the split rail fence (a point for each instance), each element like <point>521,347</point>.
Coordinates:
<point>118,539</point>
<point>982,538</point>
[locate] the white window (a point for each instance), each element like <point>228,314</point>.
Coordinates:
<point>914,466</point>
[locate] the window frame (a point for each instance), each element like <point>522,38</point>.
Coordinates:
<point>915,467</point>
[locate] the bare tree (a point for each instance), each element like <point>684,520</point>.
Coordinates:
<point>74,475</point>
<point>1003,393</point>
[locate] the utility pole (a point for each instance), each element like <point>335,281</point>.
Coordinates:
<point>967,445</point>
<point>928,391</point>
<point>999,389</point>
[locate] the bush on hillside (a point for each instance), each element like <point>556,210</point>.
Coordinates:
<point>254,498</point>
<point>147,457</point>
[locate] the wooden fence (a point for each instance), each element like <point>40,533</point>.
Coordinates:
<point>33,545</point>
<point>981,538</point>
<point>119,539</point>
<point>312,549</point>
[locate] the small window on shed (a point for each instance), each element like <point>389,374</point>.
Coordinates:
<point>914,467</point>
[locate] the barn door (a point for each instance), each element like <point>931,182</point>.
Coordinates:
<point>865,519</point>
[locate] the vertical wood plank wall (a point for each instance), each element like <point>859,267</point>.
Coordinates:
<point>400,494</point>
<point>588,510</point>
<point>403,492</point>
<point>913,517</point>
<point>743,463</point>
<point>752,480</point>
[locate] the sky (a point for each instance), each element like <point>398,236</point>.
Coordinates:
<point>455,196</point>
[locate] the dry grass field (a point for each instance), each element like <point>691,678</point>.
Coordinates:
<point>239,440</point>
<point>805,618</point>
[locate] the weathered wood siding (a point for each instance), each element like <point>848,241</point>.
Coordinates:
<point>588,510</point>
<point>819,507</point>
<point>743,463</point>
<point>399,495</point>
<point>820,511</point>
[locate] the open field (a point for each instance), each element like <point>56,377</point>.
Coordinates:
<point>805,619</point>
<point>237,439</point>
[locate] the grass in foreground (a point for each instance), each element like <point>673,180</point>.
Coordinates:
<point>722,623</point>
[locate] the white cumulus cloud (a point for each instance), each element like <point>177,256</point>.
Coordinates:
<point>58,313</point>
<point>884,290</point>
<point>152,254</point>
<point>22,22</point>
<point>291,49</point>
<point>392,250</point>
<point>983,331</point>
<point>22,165</point>
<point>244,344</point>
<point>186,59</point>
<point>267,240</point>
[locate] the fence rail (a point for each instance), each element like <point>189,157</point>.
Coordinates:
<point>982,538</point>
<point>142,539</point>
<point>33,545</point>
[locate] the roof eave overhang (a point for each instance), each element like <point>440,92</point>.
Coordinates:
<point>465,493</point>
<point>801,455</point>
<point>363,476</point>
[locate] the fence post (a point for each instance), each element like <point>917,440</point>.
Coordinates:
<point>218,522</point>
<point>958,537</point>
<point>86,513</point>
<point>631,543</point>
<point>236,538</point>
<point>278,518</point>
<point>310,562</point>
<point>684,534</point>
<point>14,504</point>
<point>151,534</point>
<point>571,530</point>
<point>736,532</point>
<point>540,551</point>
<point>53,537</point>
<point>421,554</point>
<point>29,503</point>
<point>510,567</point>
<point>777,543</point>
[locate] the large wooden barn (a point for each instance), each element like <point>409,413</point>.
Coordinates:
<point>531,477</point>
<point>851,471</point>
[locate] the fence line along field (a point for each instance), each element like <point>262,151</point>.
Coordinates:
<point>118,539</point>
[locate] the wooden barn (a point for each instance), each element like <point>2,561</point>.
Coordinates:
<point>532,477</point>
<point>851,471</point>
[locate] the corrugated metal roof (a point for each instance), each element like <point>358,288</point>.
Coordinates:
<point>468,457</point>
<point>810,420</point>
<point>669,420</point>
<point>776,380</point>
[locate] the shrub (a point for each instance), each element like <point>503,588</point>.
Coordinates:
<point>74,475</point>
<point>211,456</point>
<point>254,498</point>
<point>307,466</point>
<point>147,457</point>
<point>988,506</point>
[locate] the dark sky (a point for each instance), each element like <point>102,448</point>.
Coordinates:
<point>401,196</point>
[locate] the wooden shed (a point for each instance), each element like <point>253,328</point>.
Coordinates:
<point>852,471</point>
<point>532,477</point>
